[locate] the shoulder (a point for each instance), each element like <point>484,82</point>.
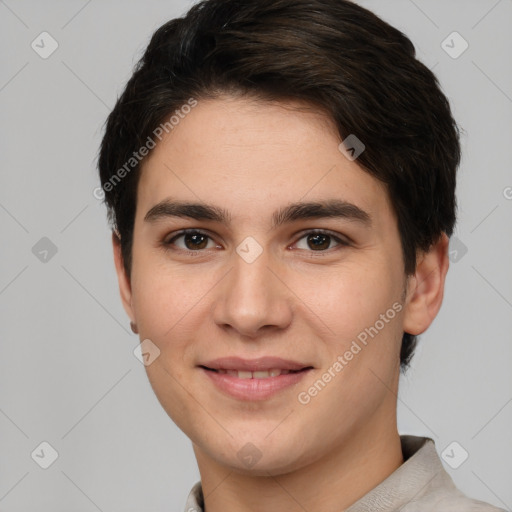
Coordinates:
<point>420,484</point>
<point>448,501</point>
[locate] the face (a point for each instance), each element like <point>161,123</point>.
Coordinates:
<point>320,287</point>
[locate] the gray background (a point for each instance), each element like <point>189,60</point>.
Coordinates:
<point>68,375</point>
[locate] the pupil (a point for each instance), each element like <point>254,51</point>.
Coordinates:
<point>319,237</point>
<point>195,237</point>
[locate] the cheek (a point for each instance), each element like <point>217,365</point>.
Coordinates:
<point>161,295</point>
<point>348,299</point>
<point>165,306</point>
<point>362,348</point>
<point>171,306</point>
<point>154,302</point>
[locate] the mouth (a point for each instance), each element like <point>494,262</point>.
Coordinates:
<point>258,374</point>
<point>256,379</point>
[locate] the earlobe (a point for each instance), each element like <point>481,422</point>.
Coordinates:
<point>425,288</point>
<point>123,279</point>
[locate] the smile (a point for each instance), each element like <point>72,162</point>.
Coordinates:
<point>254,385</point>
<point>262,374</point>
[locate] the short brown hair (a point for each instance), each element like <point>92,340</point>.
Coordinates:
<point>333,54</point>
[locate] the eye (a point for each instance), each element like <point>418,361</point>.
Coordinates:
<point>320,241</point>
<point>193,240</point>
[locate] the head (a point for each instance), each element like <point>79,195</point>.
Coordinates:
<point>242,106</point>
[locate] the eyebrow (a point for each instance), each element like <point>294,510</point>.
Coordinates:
<point>293,212</point>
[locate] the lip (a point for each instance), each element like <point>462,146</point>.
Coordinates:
<point>253,365</point>
<point>254,389</point>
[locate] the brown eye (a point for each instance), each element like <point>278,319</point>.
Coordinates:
<point>320,241</point>
<point>192,240</point>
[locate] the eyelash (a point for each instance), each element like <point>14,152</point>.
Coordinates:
<point>168,243</point>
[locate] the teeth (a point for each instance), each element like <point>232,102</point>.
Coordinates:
<point>241,374</point>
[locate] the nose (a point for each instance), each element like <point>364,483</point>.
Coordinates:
<point>253,297</point>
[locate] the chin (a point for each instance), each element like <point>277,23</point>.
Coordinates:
<point>260,457</point>
<point>266,466</point>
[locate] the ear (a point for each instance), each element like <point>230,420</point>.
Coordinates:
<point>426,287</point>
<point>125,288</point>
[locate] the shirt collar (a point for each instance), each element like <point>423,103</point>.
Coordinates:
<point>420,472</point>
<point>418,475</point>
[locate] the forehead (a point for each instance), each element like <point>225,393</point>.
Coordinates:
<point>252,157</point>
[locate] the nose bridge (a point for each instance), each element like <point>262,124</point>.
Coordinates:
<point>252,297</point>
<point>251,279</point>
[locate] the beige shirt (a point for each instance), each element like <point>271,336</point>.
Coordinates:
<point>420,484</point>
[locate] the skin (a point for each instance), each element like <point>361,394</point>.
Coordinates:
<point>252,158</point>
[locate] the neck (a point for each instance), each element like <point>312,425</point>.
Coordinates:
<point>333,482</point>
